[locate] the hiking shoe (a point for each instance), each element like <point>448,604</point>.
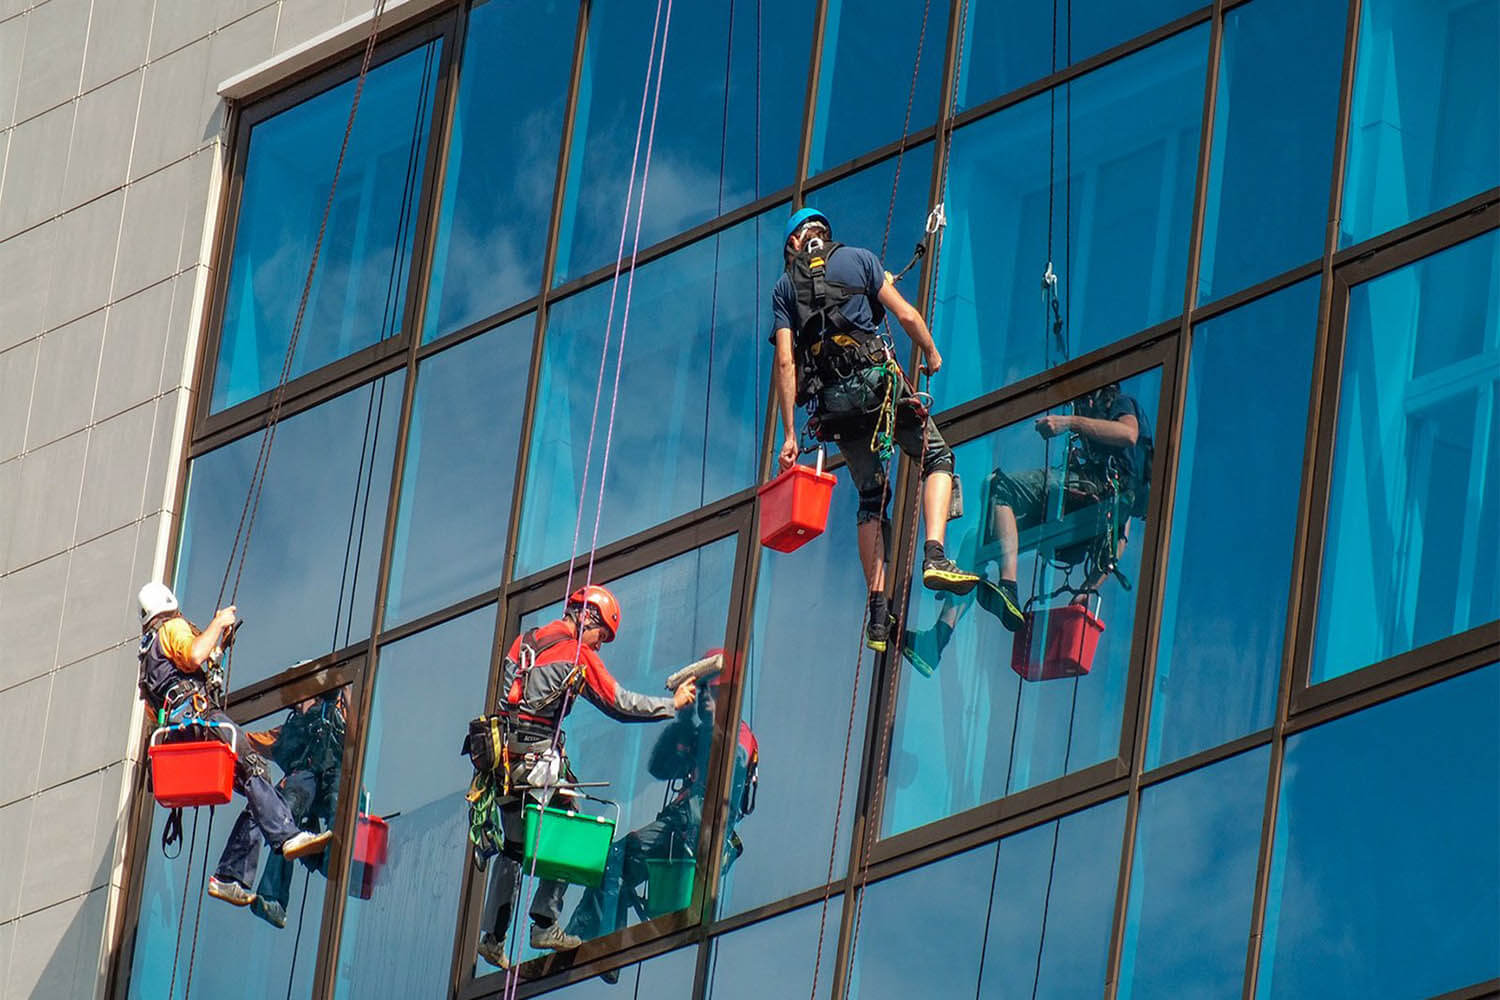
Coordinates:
<point>944,574</point>
<point>229,891</point>
<point>921,651</point>
<point>305,843</point>
<point>878,633</point>
<point>1002,602</point>
<point>492,950</point>
<point>553,938</point>
<point>269,910</point>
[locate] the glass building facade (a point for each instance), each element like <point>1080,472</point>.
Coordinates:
<point>534,352</point>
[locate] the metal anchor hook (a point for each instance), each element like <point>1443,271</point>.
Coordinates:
<point>1049,283</point>
<point>936,220</point>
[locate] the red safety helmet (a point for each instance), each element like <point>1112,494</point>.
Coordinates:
<point>604,605</point>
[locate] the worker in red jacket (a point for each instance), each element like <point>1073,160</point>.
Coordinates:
<point>546,669</point>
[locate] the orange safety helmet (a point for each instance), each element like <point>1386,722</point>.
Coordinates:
<point>603,603</point>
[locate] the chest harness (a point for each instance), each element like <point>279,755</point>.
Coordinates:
<point>170,689</point>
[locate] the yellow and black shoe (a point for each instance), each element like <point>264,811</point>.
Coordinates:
<point>943,574</point>
<point>921,650</point>
<point>1002,602</point>
<point>878,633</point>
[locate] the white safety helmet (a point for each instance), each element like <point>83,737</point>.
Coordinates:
<point>156,598</point>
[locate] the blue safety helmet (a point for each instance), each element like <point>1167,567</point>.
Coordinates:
<point>802,217</point>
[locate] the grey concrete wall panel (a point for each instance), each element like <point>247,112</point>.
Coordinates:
<point>53,63</point>
<point>60,859</point>
<point>23,717</point>
<point>103,132</point>
<point>17,374</point>
<point>86,698</point>
<point>26,262</point>
<point>113,490</point>
<point>83,259</point>
<point>302,19</point>
<point>130,371</point>
<point>55,952</point>
<point>47,502</point>
<point>160,209</point>
<point>98,612</point>
<point>31,604</point>
<point>34,170</point>
<point>62,397</point>
<point>15,824</point>
<point>12,44</point>
<point>178,121</point>
<point>118,33</point>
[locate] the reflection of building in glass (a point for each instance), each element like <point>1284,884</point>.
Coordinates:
<point>1273,225</point>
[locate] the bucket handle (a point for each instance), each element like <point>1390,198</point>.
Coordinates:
<point>592,798</point>
<point>234,733</point>
<point>821,456</point>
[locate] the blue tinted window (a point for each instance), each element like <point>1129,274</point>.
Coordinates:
<point>1051,907</point>
<point>309,578</point>
<point>857,207</point>
<point>739,969</point>
<point>502,161</point>
<point>711,152</point>
<point>1412,514</point>
<point>239,952</point>
<point>969,729</point>
<point>1192,885</point>
<point>1233,521</point>
<point>870,54</point>
<point>1425,123</point>
<point>669,977</point>
<point>1275,117</point>
<point>687,421</point>
<point>359,290</point>
<point>1386,844</point>
<point>459,473</point>
<point>1009,43</point>
<point>801,716</point>
<point>412,789</point>
<point>1135,131</point>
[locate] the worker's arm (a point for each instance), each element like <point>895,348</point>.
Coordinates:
<point>912,322</point>
<point>786,396</point>
<point>208,640</point>
<point>1121,432</point>
<point>601,688</point>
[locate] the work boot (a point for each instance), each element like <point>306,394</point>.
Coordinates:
<point>492,950</point>
<point>229,891</point>
<point>553,938</point>
<point>941,573</point>
<point>269,910</point>
<point>304,843</point>
<point>1002,602</point>
<point>921,651</point>
<point>878,632</point>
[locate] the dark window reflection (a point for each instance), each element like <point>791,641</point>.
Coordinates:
<point>1233,521</point>
<point>459,473</point>
<point>1126,167</point>
<point>668,977</point>
<point>402,911</point>
<point>1386,840</point>
<point>992,703</point>
<point>359,290</point>
<point>1192,885</point>
<point>727,124</point>
<point>739,969</point>
<point>269,948</point>
<point>688,416</point>
<point>309,578</point>
<point>502,161</point>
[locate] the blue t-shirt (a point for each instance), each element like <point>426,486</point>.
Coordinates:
<point>854,267</point>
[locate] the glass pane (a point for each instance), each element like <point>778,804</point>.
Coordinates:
<point>1233,525</point>
<point>309,578</point>
<point>1275,118</point>
<point>502,161</point>
<point>858,207</point>
<point>359,290</point>
<point>728,121</point>
<point>669,977</point>
<point>401,915</point>
<point>1416,467</point>
<point>672,614</point>
<point>983,713</point>
<point>1192,887</point>
<point>801,716</point>
<point>1009,43</point>
<point>459,474</point>
<point>1386,847</point>
<point>1052,906</point>
<point>1425,122</point>
<point>922,932</point>
<point>739,968</point>
<point>268,950</point>
<point>870,55</point>
<point>1129,179</point>
<point>687,420</point>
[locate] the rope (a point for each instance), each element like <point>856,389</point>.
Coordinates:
<point>291,976</point>
<point>911,94</point>
<point>182,907</point>
<point>1041,943</point>
<point>208,836</point>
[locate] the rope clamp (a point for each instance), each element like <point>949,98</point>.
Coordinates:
<point>936,220</point>
<point>1049,281</point>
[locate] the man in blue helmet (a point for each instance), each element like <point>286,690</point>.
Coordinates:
<point>827,309</point>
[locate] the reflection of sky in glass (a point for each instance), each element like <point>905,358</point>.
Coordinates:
<point>857,206</point>
<point>665,977</point>
<point>974,731</point>
<point>1385,876</point>
<point>739,969</point>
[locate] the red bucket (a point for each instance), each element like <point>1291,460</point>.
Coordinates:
<point>200,773</point>
<point>794,507</point>
<point>371,849</point>
<point>1072,638</point>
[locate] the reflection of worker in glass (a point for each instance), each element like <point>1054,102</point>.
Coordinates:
<point>308,746</point>
<point>1108,470</point>
<point>680,757</point>
<point>544,669</point>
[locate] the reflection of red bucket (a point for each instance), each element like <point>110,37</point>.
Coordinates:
<point>1072,638</point>
<point>794,507</point>
<point>200,773</point>
<point>371,848</point>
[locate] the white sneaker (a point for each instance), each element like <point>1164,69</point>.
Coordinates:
<point>305,843</point>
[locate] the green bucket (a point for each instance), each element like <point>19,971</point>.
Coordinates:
<point>669,884</point>
<point>572,847</point>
